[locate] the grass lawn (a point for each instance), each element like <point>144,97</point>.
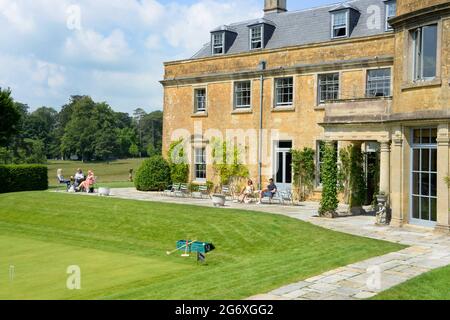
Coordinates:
<point>113,174</point>
<point>434,285</point>
<point>120,246</point>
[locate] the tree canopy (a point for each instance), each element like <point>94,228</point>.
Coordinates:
<point>83,128</point>
<point>9,117</point>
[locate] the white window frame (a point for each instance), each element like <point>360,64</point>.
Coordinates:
<point>387,26</point>
<point>253,41</point>
<point>214,46</point>
<point>205,102</point>
<point>319,90</point>
<point>201,162</point>
<point>275,90</point>
<point>417,51</point>
<point>235,105</point>
<point>390,81</point>
<point>347,27</point>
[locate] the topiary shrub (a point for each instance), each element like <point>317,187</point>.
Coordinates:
<point>329,202</point>
<point>153,175</point>
<point>16,178</point>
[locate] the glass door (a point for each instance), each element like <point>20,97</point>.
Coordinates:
<point>424,177</point>
<point>283,165</point>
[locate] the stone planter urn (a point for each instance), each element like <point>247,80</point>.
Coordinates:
<point>381,218</point>
<point>104,192</point>
<point>218,200</point>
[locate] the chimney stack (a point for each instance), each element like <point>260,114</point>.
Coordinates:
<point>275,6</point>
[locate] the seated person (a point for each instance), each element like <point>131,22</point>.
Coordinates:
<point>61,178</point>
<point>270,191</point>
<point>79,178</point>
<point>247,192</point>
<point>87,184</point>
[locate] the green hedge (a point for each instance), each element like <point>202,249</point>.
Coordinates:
<point>15,178</point>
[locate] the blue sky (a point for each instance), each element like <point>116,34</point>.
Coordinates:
<point>112,50</point>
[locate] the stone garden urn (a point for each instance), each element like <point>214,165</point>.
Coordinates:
<point>104,192</point>
<point>218,200</point>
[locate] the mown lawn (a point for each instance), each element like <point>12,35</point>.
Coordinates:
<point>121,246</point>
<point>112,174</point>
<point>434,285</point>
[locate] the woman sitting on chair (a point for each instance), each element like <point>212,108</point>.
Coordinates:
<point>247,192</point>
<point>87,184</point>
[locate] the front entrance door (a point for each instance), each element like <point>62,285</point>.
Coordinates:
<point>424,177</point>
<point>283,165</point>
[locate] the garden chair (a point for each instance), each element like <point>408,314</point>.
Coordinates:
<point>202,192</point>
<point>227,192</point>
<point>62,185</point>
<point>276,197</point>
<point>183,191</point>
<point>287,197</point>
<point>170,191</point>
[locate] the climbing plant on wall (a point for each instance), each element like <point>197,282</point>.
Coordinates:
<point>304,171</point>
<point>177,158</point>
<point>357,181</point>
<point>329,202</point>
<point>227,162</point>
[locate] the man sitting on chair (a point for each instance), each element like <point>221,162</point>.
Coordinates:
<point>269,192</point>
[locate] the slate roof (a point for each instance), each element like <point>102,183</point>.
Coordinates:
<point>302,27</point>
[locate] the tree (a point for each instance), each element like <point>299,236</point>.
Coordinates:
<point>9,117</point>
<point>152,131</point>
<point>35,153</point>
<point>138,115</point>
<point>90,131</point>
<point>134,150</point>
<point>41,125</point>
<point>329,202</point>
<point>126,138</point>
<point>105,144</point>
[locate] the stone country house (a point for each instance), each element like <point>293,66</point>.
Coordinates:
<point>371,72</point>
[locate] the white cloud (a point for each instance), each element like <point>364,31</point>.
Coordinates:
<point>117,55</point>
<point>153,41</point>
<point>90,44</point>
<point>48,74</point>
<point>16,17</point>
<point>189,26</point>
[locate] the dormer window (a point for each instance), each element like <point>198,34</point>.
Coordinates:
<point>340,24</point>
<point>256,37</point>
<point>391,11</point>
<point>218,43</point>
